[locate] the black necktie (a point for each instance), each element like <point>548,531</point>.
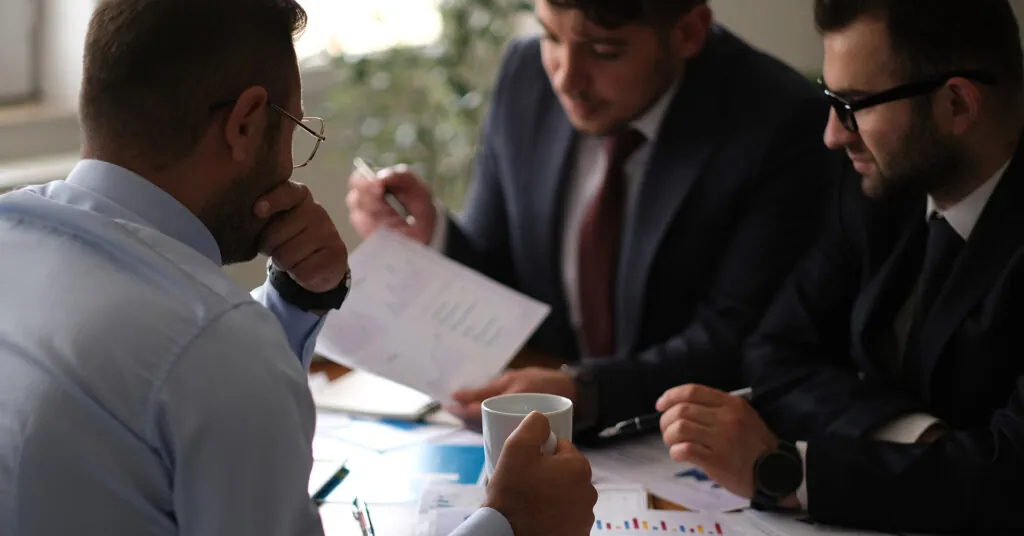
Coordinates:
<point>944,244</point>
<point>941,250</point>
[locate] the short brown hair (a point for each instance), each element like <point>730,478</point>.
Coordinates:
<point>618,13</point>
<point>153,68</point>
<point>934,37</point>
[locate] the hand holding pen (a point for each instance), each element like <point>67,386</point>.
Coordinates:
<point>393,198</point>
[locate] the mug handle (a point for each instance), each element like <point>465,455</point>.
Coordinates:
<point>548,448</point>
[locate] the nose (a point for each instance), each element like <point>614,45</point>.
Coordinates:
<point>570,74</point>
<point>836,135</point>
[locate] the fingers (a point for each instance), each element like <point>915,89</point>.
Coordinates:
<point>684,431</point>
<point>567,456</point>
<point>690,412</point>
<point>694,453</point>
<point>693,394</point>
<point>469,396</point>
<point>529,436</point>
<point>281,199</point>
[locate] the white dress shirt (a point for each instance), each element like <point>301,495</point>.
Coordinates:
<point>588,172</point>
<point>962,217</point>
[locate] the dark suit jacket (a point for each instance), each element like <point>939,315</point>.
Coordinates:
<point>821,369</point>
<point>729,202</point>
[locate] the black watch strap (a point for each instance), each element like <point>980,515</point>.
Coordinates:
<point>770,487</point>
<point>305,300</point>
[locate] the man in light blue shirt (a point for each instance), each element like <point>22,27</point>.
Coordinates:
<point>141,390</point>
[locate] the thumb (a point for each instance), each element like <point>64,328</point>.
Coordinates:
<point>530,436</point>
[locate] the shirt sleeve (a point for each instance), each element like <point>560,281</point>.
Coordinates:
<point>234,422</point>
<point>300,327</point>
<point>907,429</point>
<point>485,522</point>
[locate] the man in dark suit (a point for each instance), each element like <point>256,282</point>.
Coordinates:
<point>894,356</point>
<point>650,177</point>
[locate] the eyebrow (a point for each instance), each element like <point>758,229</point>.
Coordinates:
<point>609,41</point>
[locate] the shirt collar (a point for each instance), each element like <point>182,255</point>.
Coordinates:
<point>146,204</point>
<point>964,215</point>
<point>649,124</point>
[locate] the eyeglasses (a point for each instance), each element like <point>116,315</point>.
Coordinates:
<point>304,147</point>
<point>846,108</point>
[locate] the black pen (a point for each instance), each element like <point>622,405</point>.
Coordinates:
<point>651,421</point>
<point>389,197</point>
<point>321,494</point>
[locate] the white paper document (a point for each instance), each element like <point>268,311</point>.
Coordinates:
<point>646,460</point>
<point>420,319</point>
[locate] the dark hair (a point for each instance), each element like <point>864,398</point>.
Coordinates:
<point>618,13</point>
<point>153,68</point>
<point>934,37</point>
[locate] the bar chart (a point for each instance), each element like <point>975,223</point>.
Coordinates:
<point>658,522</point>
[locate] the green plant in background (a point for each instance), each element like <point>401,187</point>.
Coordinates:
<point>424,106</point>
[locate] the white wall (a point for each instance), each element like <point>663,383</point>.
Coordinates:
<point>17,22</point>
<point>64,23</point>
<point>784,28</point>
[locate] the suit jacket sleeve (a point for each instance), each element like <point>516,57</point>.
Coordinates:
<point>775,228</point>
<point>799,363</point>
<point>481,240</point>
<point>966,482</point>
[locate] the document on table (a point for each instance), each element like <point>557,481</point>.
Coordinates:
<point>646,460</point>
<point>420,319</point>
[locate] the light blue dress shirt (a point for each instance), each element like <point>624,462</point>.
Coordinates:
<point>142,391</point>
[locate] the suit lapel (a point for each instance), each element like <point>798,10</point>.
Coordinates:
<point>556,142</point>
<point>874,312</point>
<point>995,240</point>
<point>689,132</point>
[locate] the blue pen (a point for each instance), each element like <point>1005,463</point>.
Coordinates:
<point>332,483</point>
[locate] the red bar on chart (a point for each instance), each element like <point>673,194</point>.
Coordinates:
<point>718,528</point>
<point>636,524</point>
<point>664,526</point>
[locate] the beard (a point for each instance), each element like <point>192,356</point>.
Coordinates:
<point>231,219</point>
<point>926,160</point>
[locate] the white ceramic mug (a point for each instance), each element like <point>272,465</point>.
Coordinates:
<point>502,415</point>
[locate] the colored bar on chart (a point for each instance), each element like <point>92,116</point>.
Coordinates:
<point>700,529</point>
<point>682,528</point>
<point>718,528</point>
<point>646,527</point>
<point>636,524</point>
<point>598,525</point>
<point>664,526</point>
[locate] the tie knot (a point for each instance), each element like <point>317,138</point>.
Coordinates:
<point>622,144</point>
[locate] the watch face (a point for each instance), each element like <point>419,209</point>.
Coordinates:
<point>779,474</point>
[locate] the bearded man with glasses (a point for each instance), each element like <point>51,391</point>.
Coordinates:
<point>888,383</point>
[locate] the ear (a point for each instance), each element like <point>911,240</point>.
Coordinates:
<point>246,123</point>
<point>958,105</point>
<point>690,33</point>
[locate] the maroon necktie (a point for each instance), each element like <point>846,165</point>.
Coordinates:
<point>600,238</point>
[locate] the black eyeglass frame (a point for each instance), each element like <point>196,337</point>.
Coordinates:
<point>845,108</point>
<point>320,138</point>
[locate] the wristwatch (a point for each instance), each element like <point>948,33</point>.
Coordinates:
<point>305,300</point>
<point>777,474</point>
<point>585,412</point>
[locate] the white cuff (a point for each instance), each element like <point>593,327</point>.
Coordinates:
<point>440,236</point>
<point>801,492</point>
<point>907,429</point>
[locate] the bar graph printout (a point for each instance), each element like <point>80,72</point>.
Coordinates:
<point>420,319</point>
<point>658,522</point>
